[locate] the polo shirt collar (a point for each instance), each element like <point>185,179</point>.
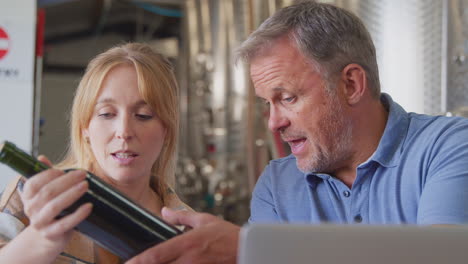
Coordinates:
<point>388,152</point>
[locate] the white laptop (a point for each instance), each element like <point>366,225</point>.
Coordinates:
<point>353,244</point>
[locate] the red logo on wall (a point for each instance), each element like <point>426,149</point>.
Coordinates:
<point>4,43</point>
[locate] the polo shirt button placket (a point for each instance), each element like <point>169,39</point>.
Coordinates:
<point>358,218</point>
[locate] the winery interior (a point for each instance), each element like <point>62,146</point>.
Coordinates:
<point>224,141</point>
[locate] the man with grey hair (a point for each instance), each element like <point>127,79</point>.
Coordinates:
<point>357,156</point>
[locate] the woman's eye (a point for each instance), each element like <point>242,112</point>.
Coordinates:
<point>105,115</point>
<point>144,117</point>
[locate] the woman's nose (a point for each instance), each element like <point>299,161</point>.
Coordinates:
<point>124,128</point>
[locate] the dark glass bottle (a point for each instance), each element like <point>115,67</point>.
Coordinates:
<point>116,222</point>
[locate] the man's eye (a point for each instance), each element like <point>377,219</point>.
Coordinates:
<point>289,99</point>
<point>144,117</point>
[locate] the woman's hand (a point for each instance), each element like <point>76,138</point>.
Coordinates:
<point>47,194</point>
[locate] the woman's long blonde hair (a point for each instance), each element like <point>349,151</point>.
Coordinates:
<point>158,87</point>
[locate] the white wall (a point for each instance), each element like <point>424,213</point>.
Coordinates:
<point>18,20</point>
<point>56,100</point>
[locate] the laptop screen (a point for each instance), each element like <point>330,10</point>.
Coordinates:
<point>360,244</point>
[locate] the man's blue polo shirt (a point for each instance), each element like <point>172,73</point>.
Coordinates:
<point>417,175</point>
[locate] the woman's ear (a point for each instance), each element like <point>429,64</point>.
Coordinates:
<point>85,135</point>
<point>355,83</point>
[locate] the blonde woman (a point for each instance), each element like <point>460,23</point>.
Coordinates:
<point>124,124</point>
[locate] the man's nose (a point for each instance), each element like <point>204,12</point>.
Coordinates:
<point>124,129</point>
<point>277,121</point>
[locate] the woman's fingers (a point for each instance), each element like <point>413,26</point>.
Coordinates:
<point>53,207</point>
<point>67,223</point>
<point>47,194</point>
<point>36,183</point>
<point>45,160</point>
<point>51,191</point>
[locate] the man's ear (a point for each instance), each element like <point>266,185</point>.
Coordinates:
<point>355,83</point>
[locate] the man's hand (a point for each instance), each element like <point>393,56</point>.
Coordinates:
<point>211,240</point>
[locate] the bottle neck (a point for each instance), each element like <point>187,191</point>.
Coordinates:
<point>19,160</point>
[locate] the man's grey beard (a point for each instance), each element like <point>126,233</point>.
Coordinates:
<point>326,160</point>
